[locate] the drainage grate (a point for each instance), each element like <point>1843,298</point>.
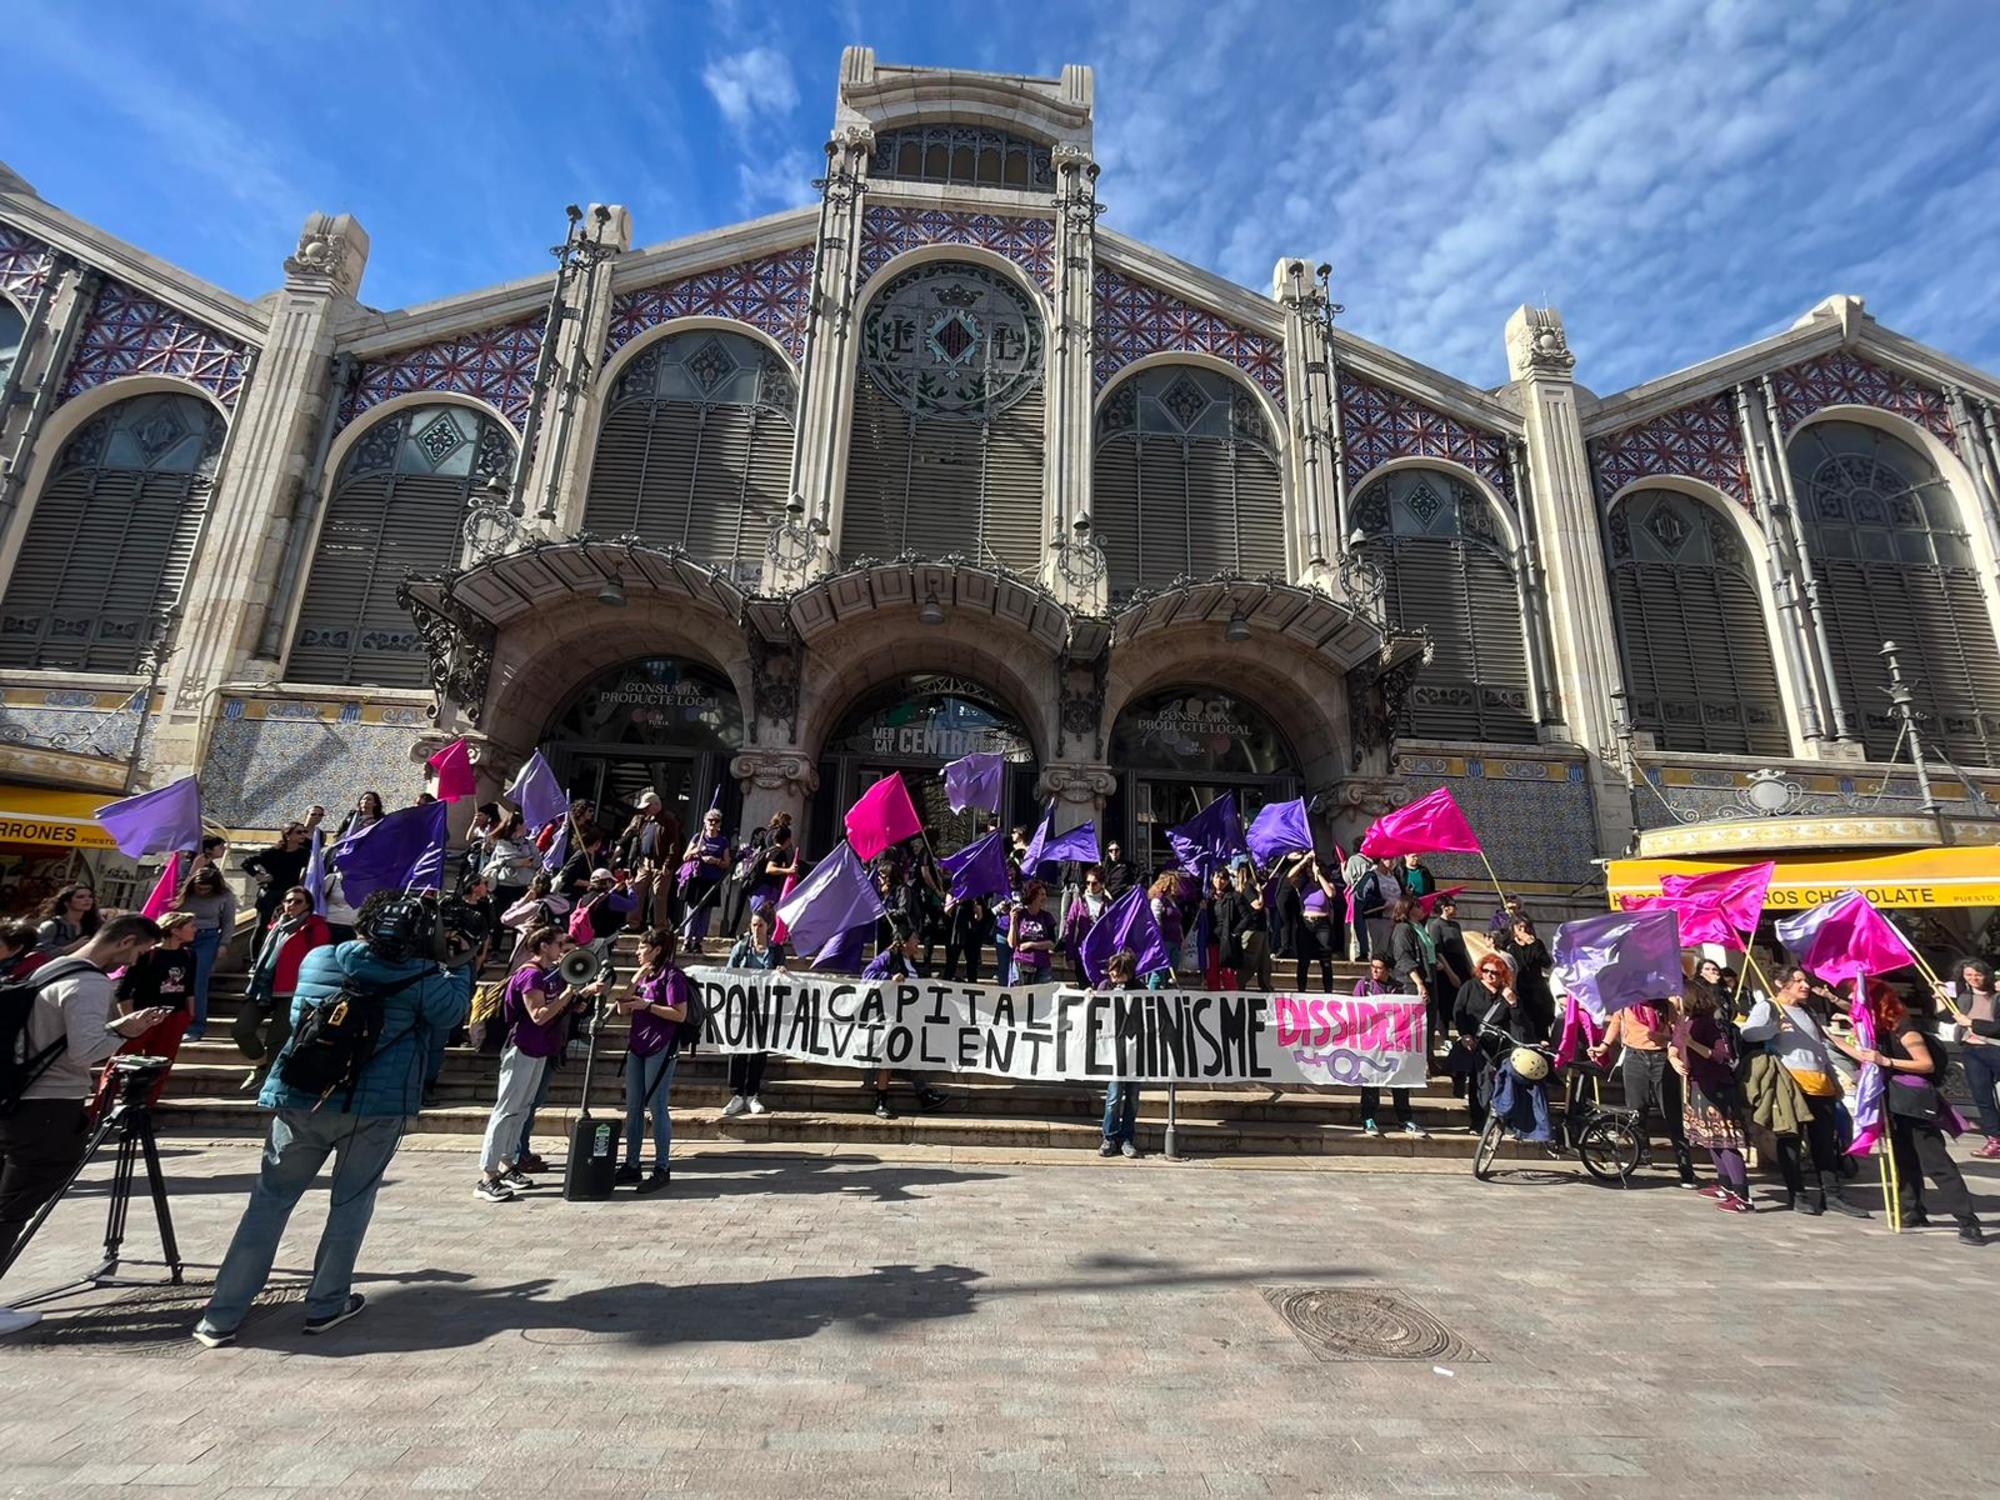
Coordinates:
<point>153,1322</point>
<point>1346,1325</point>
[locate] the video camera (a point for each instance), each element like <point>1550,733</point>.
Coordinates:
<point>415,926</point>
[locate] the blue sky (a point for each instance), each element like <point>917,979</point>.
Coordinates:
<point>1677,178</point>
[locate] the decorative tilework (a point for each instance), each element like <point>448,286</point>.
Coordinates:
<point>1540,829</point>
<point>887,231</point>
<point>493,364</point>
<point>127,333</point>
<point>80,731</point>
<point>770,293</point>
<point>1845,379</point>
<point>24,262</point>
<point>1134,320</point>
<point>262,771</point>
<point>1378,425</point>
<point>1700,440</point>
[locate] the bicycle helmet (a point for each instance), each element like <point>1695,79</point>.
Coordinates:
<point>1528,1064</point>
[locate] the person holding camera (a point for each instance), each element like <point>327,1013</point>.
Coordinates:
<point>70,1028</point>
<point>338,1092</point>
<point>533,1007</point>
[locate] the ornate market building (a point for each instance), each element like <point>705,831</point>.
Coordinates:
<point>945,463</point>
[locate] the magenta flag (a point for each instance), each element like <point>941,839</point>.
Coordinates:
<point>453,766</point>
<point>1429,825</point>
<point>155,822</point>
<point>1869,1119</point>
<point>162,899</point>
<point>882,817</point>
<point>1579,1032</point>
<point>1425,904</point>
<point>1699,924</point>
<point>1845,939</point>
<point>1736,894</point>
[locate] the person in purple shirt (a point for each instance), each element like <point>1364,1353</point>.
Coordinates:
<point>657,1005</point>
<point>898,960</point>
<point>1381,980</point>
<point>537,1029</point>
<point>704,862</point>
<point>1031,937</point>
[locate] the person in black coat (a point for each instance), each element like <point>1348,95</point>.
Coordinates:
<point>1407,955</point>
<point>279,868</point>
<point>1532,967</point>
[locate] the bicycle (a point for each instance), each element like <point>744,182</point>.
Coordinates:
<point>1606,1141</point>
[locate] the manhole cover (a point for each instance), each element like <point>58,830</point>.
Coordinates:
<point>1360,1324</point>
<point>155,1322</point>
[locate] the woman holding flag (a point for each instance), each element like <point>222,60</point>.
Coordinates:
<point>1712,1116</point>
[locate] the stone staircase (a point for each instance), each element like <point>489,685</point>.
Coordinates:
<point>824,1106</point>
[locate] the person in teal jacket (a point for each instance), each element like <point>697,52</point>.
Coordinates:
<point>361,1131</point>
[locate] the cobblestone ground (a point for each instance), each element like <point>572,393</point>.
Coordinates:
<point>852,1325</point>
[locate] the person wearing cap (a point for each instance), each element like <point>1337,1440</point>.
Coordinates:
<point>646,847</point>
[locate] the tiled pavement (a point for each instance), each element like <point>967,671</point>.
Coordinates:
<point>846,1325</point>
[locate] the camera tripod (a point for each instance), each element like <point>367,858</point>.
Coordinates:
<point>131,1120</point>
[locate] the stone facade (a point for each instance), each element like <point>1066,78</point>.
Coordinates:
<point>532,609</point>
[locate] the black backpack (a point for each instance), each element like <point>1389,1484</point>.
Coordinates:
<point>338,1036</point>
<point>688,1036</point>
<point>20,1067</point>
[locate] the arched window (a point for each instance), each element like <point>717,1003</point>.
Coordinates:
<point>1185,480</point>
<point>396,509</point>
<point>108,542</point>
<point>1447,567</point>
<point>1893,562</point>
<point>970,155</point>
<point>1698,661</point>
<point>12,326</point>
<point>946,450</point>
<point>696,450</point>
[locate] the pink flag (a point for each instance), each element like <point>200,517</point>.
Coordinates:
<point>1699,924</point>
<point>1426,903</point>
<point>164,890</point>
<point>1430,825</point>
<point>778,933</point>
<point>453,766</point>
<point>1869,1086</point>
<point>1845,939</point>
<point>1737,894</point>
<point>882,817</point>
<point>1579,1032</point>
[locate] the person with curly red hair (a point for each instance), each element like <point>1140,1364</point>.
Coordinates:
<point>1913,1067</point>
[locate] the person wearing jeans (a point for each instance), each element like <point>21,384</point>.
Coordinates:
<point>208,896</point>
<point>537,1030</point>
<point>1121,1100</point>
<point>1977,1009</point>
<point>755,950</point>
<point>1381,981</point>
<point>1651,1085</point>
<point>657,1006</point>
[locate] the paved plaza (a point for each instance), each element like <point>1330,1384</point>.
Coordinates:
<point>991,1324</point>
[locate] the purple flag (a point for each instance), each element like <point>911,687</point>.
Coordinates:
<point>1127,922</point>
<point>979,869</point>
<point>315,881</point>
<point>1211,837</point>
<point>836,896</point>
<point>974,781</point>
<point>842,953</point>
<point>538,794</point>
<point>404,850</point>
<point>155,822</point>
<point>1622,958</point>
<point>558,853</point>
<point>1046,848</point>
<point>1869,1123</point>
<point>1845,939</point>
<point>1281,828</point>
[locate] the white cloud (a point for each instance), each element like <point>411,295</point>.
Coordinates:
<point>752,85</point>
<point>770,184</point>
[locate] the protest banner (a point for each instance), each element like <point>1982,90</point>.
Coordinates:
<point>1051,1033</point>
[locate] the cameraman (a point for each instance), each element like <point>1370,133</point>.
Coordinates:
<point>72,1020</point>
<point>399,955</point>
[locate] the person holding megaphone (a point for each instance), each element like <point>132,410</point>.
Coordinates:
<point>534,1011</point>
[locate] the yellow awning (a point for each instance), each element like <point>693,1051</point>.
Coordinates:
<point>45,815</point>
<point>1908,878</point>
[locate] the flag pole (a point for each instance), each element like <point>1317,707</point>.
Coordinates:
<point>1491,875</point>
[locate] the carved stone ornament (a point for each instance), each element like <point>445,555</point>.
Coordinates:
<point>460,646</point>
<point>1365,797</point>
<point>1080,703</point>
<point>1377,702</point>
<point>776,771</point>
<point>855,138</point>
<point>1541,346</point>
<point>1086,785</point>
<point>774,683</point>
<point>1069,154</point>
<point>329,251</point>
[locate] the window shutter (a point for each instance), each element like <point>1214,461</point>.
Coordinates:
<point>1117,523</point>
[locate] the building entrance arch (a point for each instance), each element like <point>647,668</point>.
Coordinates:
<point>665,723</point>
<point>1177,749</point>
<point>917,724</point>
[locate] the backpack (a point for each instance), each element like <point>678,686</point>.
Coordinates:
<point>18,1066</point>
<point>688,1036</point>
<point>582,930</point>
<point>338,1036</point>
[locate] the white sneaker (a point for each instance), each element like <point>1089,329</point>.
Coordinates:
<point>757,1105</point>
<point>736,1105</point>
<point>13,1322</point>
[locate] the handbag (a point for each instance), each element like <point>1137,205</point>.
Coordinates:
<point>1915,1098</point>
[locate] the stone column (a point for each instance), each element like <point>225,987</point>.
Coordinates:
<point>551,494</point>
<point>1080,790</point>
<point>1072,563</point>
<point>1312,448</point>
<point>824,393</point>
<point>1566,524</point>
<point>775,779</point>
<point>69,293</point>
<point>260,487</point>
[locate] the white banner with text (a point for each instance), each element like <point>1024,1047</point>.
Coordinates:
<point>1052,1032</point>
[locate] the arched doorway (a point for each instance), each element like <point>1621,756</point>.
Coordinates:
<point>1178,749</point>
<point>917,724</point>
<point>662,722</point>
